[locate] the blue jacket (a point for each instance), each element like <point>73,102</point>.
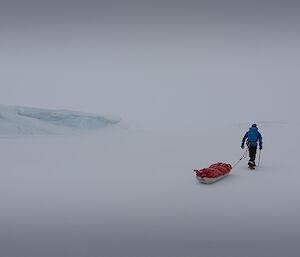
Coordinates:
<point>253,136</point>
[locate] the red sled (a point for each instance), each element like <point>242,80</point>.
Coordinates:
<point>214,173</point>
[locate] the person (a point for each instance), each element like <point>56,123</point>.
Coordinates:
<point>252,137</point>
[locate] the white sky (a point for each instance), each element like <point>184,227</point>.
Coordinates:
<point>173,73</point>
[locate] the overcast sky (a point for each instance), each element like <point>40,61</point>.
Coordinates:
<point>154,63</point>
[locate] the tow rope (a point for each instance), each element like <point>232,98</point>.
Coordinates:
<point>243,157</point>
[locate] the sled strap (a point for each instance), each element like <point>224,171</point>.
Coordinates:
<point>243,157</point>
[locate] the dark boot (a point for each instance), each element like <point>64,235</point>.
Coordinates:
<point>251,164</point>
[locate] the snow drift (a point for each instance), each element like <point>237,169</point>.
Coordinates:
<point>16,120</point>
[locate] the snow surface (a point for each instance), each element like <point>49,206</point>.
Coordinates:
<point>133,193</point>
<point>16,120</point>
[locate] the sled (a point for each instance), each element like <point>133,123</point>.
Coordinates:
<point>206,180</point>
<point>214,173</point>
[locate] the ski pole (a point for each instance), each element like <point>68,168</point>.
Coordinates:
<point>243,157</point>
<point>259,158</point>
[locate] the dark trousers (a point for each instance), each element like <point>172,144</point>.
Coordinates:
<point>252,153</point>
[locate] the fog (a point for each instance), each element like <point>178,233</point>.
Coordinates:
<point>153,64</point>
<point>188,78</point>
